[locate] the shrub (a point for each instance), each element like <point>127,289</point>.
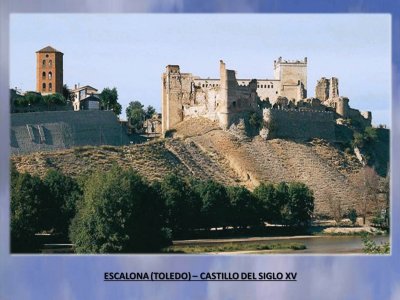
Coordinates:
<point>352,215</point>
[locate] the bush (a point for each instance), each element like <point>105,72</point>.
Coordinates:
<point>352,215</point>
<point>120,213</point>
<point>256,121</point>
<point>370,246</point>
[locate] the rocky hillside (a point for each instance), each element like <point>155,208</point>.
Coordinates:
<point>200,149</point>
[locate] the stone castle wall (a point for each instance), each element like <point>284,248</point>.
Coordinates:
<point>298,124</point>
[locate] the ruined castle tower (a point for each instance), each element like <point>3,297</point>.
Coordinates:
<point>333,87</point>
<point>322,89</point>
<point>49,71</point>
<point>327,88</point>
<point>293,78</point>
<point>177,90</point>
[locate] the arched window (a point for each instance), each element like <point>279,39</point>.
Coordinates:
<point>44,62</point>
<point>43,86</point>
<point>50,75</point>
<point>50,62</point>
<point>50,87</point>
<point>44,75</point>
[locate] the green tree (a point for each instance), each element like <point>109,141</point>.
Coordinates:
<point>365,138</point>
<point>121,213</point>
<point>27,194</point>
<point>271,201</point>
<point>299,208</point>
<point>67,94</point>
<point>33,98</point>
<point>109,100</point>
<point>136,115</point>
<point>256,121</point>
<point>182,204</point>
<point>54,99</point>
<point>215,203</point>
<point>244,207</point>
<point>149,112</point>
<point>60,206</point>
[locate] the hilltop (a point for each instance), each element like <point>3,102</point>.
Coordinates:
<point>199,148</point>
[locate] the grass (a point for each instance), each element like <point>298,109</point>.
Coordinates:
<point>232,247</point>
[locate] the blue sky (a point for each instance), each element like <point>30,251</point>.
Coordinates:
<point>130,51</point>
<point>321,277</point>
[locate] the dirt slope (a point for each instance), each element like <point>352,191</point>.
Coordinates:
<point>202,150</point>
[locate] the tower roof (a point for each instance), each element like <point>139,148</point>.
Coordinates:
<point>48,49</point>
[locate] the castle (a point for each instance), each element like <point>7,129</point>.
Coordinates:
<point>281,102</point>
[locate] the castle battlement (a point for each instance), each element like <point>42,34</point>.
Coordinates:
<point>299,111</point>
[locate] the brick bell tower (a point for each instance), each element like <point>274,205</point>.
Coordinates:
<point>49,71</point>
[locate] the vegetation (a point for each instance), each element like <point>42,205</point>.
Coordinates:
<point>67,94</point>
<point>352,215</point>
<point>368,182</point>
<point>182,204</point>
<point>244,208</point>
<point>109,100</point>
<point>136,114</point>
<point>256,121</point>
<point>231,247</point>
<point>370,246</point>
<point>117,211</point>
<point>27,194</point>
<point>215,204</point>
<point>63,193</point>
<point>33,99</point>
<point>120,213</point>
<point>287,204</point>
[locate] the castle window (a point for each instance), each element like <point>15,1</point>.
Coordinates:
<point>44,62</point>
<point>268,85</point>
<point>50,75</point>
<point>43,86</point>
<point>50,62</point>
<point>258,85</point>
<point>44,75</point>
<point>203,84</point>
<point>276,92</point>
<point>234,103</point>
<point>50,86</point>
<point>272,86</point>
<point>47,55</point>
